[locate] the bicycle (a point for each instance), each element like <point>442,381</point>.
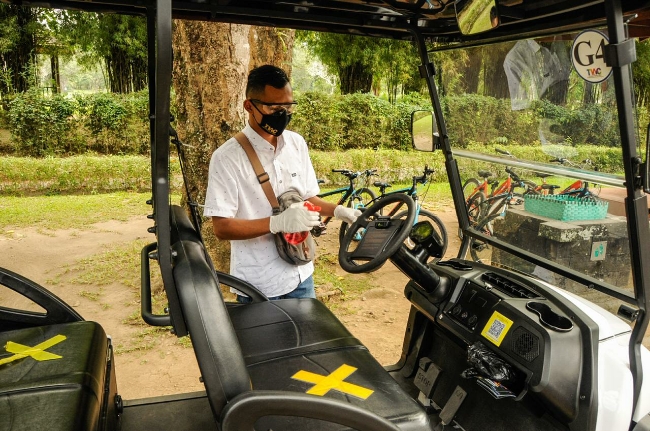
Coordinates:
<point>479,202</point>
<point>478,194</point>
<point>498,206</point>
<point>542,189</point>
<point>579,188</point>
<point>420,214</point>
<point>351,196</point>
<point>495,207</point>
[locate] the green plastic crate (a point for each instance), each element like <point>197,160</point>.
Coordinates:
<point>566,208</point>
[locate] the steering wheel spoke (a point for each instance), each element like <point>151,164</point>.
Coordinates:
<point>382,236</point>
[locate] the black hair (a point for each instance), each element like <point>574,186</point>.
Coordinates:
<point>262,76</point>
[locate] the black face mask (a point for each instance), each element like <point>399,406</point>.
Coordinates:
<point>274,123</point>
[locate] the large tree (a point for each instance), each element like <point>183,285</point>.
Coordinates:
<point>211,63</point>
<point>117,41</point>
<point>19,29</point>
<point>350,58</point>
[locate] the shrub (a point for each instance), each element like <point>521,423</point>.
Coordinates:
<point>55,125</point>
<point>43,126</point>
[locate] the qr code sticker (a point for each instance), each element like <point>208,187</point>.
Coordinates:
<point>496,329</point>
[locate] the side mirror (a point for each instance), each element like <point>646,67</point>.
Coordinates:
<point>476,16</point>
<point>424,131</point>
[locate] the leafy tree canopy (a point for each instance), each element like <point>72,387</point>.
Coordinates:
<point>362,63</point>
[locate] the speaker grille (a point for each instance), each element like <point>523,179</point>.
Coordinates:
<point>525,344</point>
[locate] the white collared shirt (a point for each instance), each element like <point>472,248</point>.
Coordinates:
<point>234,192</point>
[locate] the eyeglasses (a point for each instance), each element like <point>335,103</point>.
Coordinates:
<point>275,108</point>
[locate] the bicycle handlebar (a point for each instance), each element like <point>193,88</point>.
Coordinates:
<point>513,174</point>
<point>585,162</point>
<point>422,179</point>
<point>352,175</point>
<point>504,152</point>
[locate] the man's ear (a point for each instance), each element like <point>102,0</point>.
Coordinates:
<point>247,106</point>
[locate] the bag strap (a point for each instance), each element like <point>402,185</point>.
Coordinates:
<point>262,175</point>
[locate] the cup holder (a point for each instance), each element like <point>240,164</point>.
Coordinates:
<point>550,318</point>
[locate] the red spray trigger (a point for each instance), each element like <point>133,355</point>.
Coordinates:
<point>311,207</point>
<point>298,237</point>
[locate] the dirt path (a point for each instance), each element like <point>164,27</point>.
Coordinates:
<point>152,362</point>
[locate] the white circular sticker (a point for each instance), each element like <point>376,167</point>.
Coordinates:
<point>587,54</point>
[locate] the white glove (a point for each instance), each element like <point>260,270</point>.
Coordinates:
<point>294,219</point>
<point>348,215</point>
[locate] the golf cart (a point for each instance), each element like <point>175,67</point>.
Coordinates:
<point>514,333</point>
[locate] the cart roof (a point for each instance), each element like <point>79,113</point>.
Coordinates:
<point>436,19</point>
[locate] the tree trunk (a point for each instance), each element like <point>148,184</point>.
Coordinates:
<point>471,72</point>
<point>19,62</point>
<point>56,75</point>
<point>356,78</point>
<point>211,64</point>
<point>494,76</point>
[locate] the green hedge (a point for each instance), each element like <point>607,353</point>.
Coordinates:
<point>354,121</point>
<point>473,118</point>
<point>57,125</point>
<point>99,174</point>
<point>117,124</point>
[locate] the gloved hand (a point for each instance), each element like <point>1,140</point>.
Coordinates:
<point>296,218</point>
<point>348,215</point>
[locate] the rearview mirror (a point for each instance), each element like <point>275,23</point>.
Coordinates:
<point>476,16</point>
<point>424,131</point>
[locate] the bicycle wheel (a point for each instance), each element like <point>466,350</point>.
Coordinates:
<point>479,250</point>
<point>531,188</point>
<point>359,200</point>
<point>438,226</point>
<point>469,186</point>
<point>594,189</point>
<point>475,209</point>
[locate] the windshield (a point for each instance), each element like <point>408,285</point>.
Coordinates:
<point>539,156</point>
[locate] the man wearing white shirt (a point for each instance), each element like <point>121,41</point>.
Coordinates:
<point>236,201</point>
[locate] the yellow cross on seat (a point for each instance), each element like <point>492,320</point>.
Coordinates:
<point>323,384</point>
<point>37,352</point>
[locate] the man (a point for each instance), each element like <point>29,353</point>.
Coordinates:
<point>238,206</point>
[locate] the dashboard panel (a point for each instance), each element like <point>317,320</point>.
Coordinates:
<point>515,317</point>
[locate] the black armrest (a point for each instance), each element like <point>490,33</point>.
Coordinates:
<point>242,286</point>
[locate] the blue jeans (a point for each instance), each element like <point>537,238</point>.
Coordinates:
<point>304,290</point>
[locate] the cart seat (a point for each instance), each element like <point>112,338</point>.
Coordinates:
<point>66,382</point>
<point>271,329</point>
<point>238,350</point>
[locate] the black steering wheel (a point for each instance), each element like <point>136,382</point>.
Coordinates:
<point>382,237</point>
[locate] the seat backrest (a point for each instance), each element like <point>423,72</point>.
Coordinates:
<point>215,343</point>
<point>182,228</point>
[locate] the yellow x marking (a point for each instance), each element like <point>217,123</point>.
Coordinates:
<point>323,384</point>
<point>37,352</point>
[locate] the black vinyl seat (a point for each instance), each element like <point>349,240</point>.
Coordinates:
<point>276,329</point>
<point>271,329</point>
<point>262,346</point>
<point>68,384</point>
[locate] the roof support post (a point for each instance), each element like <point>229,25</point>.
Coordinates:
<point>427,71</point>
<point>636,201</point>
<point>160,159</point>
